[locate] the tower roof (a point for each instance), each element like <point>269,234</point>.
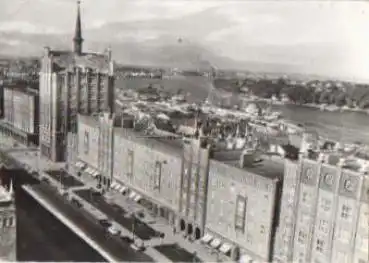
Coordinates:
<point>78,30</point>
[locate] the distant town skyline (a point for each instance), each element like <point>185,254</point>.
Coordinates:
<point>320,37</point>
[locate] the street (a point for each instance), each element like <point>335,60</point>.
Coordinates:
<point>141,229</point>
<point>41,237</point>
<point>113,245</point>
<point>41,231</point>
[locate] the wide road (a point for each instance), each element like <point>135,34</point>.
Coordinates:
<point>113,245</point>
<point>41,237</point>
<point>141,229</point>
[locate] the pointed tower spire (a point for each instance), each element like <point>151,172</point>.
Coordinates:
<point>78,40</point>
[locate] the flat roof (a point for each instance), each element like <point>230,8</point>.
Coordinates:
<point>270,167</point>
<point>157,142</point>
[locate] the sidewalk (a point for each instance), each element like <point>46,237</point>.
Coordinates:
<point>156,223</point>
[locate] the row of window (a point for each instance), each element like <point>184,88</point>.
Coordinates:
<point>346,211</point>
<point>240,214</point>
<point>7,222</point>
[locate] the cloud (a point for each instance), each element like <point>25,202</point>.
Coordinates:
<point>28,28</point>
<point>322,36</point>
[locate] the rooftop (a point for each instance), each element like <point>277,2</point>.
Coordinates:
<point>172,146</point>
<point>270,167</point>
<point>161,143</point>
<point>67,59</point>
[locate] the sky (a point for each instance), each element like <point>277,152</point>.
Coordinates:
<point>323,37</point>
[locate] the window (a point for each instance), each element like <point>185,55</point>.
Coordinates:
<point>305,197</point>
<point>346,212</point>
<point>130,163</point>
<point>325,204</point>
<point>5,222</point>
<point>320,244</point>
<point>249,239</point>
<point>240,214</point>
<point>301,258</point>
<point>324,226</point>
<point>262,229</point>
<point>157,176</point>
<point>11,221</point>
<point>301,237</point>
<point>86,142</point>
<point>309,174</point>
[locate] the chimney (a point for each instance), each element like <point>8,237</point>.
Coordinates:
<point>246,158</point>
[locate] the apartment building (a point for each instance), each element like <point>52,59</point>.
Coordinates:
<point>146,170</point>
<point>20,116</point>
<point>242,208</point>
<point>330,222</point>
<point>149,171</point>
<point>71,82</point>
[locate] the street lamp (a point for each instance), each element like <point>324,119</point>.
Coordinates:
<point>62,188</point>
<point>133,228</point>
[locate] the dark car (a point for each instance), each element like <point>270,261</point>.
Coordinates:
<point>45,180</point>
<point>76,203</point>
<point>127,239</point>
<point>105,223</point>
<point>140,214</point>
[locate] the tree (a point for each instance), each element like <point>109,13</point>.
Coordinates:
<point>324,97</point>
<point>340,99</point>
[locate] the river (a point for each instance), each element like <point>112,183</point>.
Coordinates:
<point>341,126</point>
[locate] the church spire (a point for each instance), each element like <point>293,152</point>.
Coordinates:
<point>78,40</point>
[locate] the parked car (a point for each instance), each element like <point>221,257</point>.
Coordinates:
<point>127,239</point>
<point>76,202</point>
<point>140,214</point>
<point>45,180</point>
<point>137,247</point>
<point>114,230</point>
<point>105,223</point>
